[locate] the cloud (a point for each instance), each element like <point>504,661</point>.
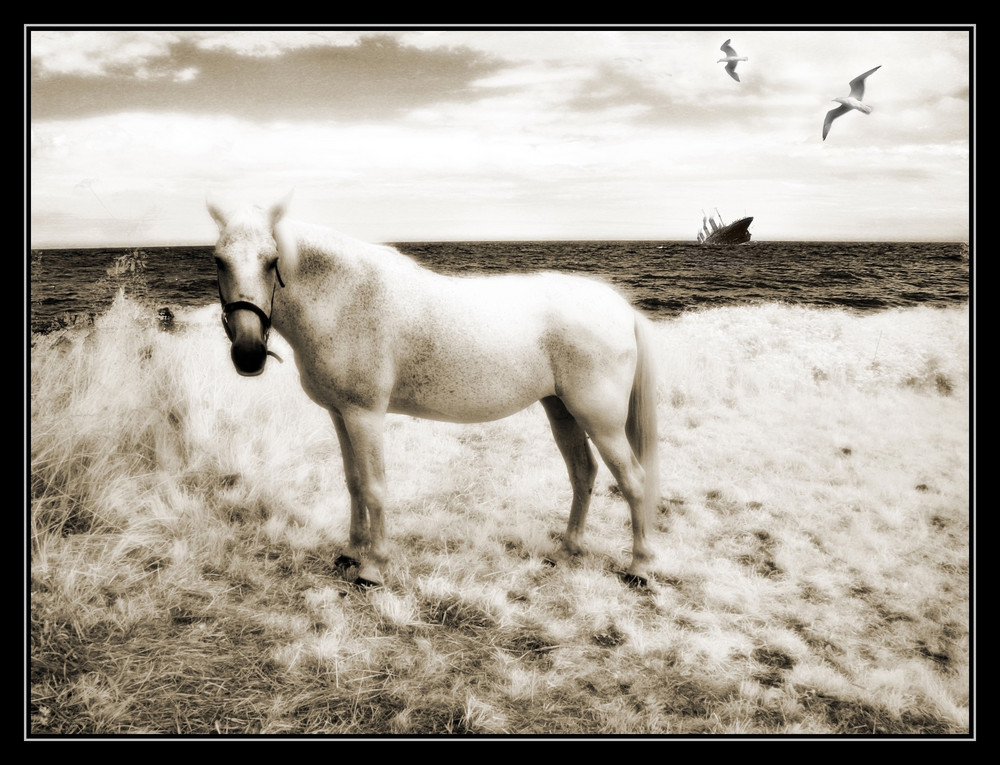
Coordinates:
<point>374,76</point>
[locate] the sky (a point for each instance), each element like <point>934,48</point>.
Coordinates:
<point>449,133</point>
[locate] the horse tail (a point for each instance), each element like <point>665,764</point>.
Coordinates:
<point>641,425</point>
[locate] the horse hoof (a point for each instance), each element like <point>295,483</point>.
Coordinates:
<point>369,576</point>
<point>346,561</point>
<point>636,581</point>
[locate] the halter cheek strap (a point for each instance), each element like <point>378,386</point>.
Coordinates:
<point>265,318</point>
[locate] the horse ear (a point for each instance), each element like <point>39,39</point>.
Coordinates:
<point>287,250</point>
<point>216,212</point>
<point>279,209</point>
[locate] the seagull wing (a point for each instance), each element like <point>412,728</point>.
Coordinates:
<point>731,69</point>
<point>858,84</point>
<point>831,116</point>
<point>727,48</point>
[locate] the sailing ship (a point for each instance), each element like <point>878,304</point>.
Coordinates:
<point>715,231</point>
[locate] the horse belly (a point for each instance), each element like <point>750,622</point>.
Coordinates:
<point>470,383</point>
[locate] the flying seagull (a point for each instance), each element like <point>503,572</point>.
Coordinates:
<point>852,101</point>
<point>731,59</point>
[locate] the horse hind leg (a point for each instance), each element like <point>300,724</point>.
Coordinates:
<point>617,453</point>
<point>581,465</point>
<point>627,442</point>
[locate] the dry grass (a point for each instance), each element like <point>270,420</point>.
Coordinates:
<point>813,546</point>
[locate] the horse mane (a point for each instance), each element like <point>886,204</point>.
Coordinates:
<point>292,235</point>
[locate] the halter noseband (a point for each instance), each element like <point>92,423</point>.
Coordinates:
<point>265,318</point>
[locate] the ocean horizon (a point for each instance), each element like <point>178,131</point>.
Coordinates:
<point>72,286</point>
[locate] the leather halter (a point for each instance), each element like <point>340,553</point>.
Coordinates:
<point>265,318</point>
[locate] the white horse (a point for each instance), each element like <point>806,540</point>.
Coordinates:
<point>374,332</point>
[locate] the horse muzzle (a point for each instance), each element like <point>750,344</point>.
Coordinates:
<point>247,327</point>
<point>248,359</point>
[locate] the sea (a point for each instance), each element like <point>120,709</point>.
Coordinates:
<point>71,288</point>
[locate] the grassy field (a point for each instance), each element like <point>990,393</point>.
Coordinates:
<point>813,544</point>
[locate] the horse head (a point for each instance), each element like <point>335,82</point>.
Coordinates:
<point>246,259</point>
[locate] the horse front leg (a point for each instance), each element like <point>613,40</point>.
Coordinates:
<point>359,538</point>
<point>360,434</point>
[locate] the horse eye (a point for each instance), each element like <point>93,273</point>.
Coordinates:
<point>220,264</point>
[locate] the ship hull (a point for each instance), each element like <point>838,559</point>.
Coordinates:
<point>734,233</point>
